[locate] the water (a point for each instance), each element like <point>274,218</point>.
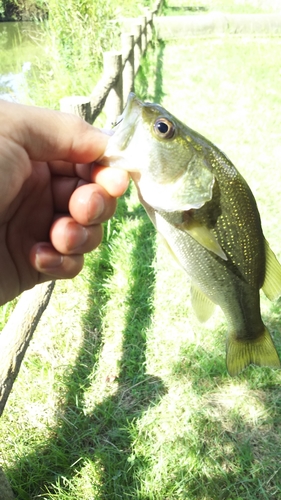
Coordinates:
<point>20,44</point>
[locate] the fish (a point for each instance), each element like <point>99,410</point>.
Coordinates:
<point>209,220</point>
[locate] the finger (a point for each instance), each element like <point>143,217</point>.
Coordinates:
<point>51,264</point>
<point>114,180</point>
<point>91,204</point>
<point>62,189</point>
<point>68,237</point>
<point>61,167</point>
<point>51,135</point>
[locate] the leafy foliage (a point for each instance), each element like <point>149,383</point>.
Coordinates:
<point>122,393</point>
<point>76,34</point>
<point>13,10</point>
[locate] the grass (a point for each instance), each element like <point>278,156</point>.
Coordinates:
<point>123,395</point>
<point>76,35</point>
<point>64,52</point>
<point>181,7</point>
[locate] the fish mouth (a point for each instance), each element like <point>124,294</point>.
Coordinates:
<point>131,110</point>
<point>126,124</point>
<point>123,132</point>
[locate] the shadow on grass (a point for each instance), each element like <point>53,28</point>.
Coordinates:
<point>233,459</point>
<point>235,437</point>
<point>103,437</point>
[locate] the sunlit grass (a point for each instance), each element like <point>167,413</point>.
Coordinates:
<point>122,393</point>
<point>181,7</point>
<point>65,52</point>
<point>77,34</point>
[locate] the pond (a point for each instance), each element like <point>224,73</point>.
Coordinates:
<point>20,45</point>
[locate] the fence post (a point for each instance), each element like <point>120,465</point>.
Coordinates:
<point>17,334</point>
<point>143,21</point>
<point>112,68</point>
<point>112,90</point>
<point>128,62</point>
<point>77,105</point>
<point>137,48</point>
<point>149,17</point>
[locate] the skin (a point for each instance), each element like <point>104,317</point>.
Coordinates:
<point>217,238</point>
<point>53,197</point>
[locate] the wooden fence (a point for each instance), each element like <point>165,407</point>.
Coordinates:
<point>120,69</point>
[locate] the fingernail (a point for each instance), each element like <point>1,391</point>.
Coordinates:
<point>76,235</point>
<point>47,257</point>
<point>95,207</point>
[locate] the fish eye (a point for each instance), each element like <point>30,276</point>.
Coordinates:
<point>164,129</point>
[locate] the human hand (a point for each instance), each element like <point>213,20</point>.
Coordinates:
<point>53,198</point>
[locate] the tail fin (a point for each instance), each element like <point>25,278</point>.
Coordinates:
<point>260,351</point>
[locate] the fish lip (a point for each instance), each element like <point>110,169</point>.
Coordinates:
<point>123,133</point>
<point>168,195</point>
<point>130,113</point>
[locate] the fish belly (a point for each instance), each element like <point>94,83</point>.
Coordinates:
<point>248,341</point>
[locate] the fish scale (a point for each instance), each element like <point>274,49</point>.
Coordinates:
<point>208,217</point>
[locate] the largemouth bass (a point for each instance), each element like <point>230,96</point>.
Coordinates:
<point>209,219</point>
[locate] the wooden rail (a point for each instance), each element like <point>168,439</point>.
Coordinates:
<point>16,335</point>
<point>119,71</point>
<point>111,91</point>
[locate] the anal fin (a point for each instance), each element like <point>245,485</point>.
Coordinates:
<point>272,282</point>
<point>241,353</point>
<point>202,305</point>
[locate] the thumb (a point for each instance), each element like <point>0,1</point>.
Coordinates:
<point>51,135</point>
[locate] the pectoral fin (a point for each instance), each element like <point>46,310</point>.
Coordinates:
<point>272,282</point>
<point>202,306</point>
<point>206,238</point>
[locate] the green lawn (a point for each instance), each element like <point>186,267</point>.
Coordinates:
<point>123,394</point>
<point>182,7</point>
